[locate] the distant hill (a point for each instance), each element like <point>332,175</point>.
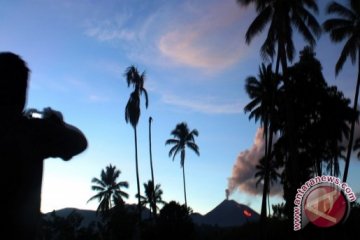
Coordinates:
<point>90,216</point>
<point>228,213</point>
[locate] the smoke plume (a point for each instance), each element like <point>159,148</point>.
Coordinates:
<point>244,169</point>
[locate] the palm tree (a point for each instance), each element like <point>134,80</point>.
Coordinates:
<point>151,163</point>
<point>283,16</point>
<point>132,112</point>
<point>153,196</point>
<point>109,189</point>
<point>262,92</point>
<point>346,26</point>
<point>182,138</point>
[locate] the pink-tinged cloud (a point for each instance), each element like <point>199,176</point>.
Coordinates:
<point>212,40</point>
<point>244,169</point>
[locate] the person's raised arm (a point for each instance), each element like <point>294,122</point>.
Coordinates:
<point>64,140</point>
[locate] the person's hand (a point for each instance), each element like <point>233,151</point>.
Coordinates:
<point>29,112</point>
<point>49,113</point>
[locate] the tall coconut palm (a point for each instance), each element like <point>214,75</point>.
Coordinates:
<point>282,16</point>
<point>132,112</point>
<point>346,27</point>
<point>182,138</point>
<point>262,92</point>
<point>109,189</point>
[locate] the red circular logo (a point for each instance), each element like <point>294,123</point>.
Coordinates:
<point>325,206</point>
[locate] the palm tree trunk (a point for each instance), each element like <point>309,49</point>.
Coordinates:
<point>268,147</point>
<point>183,168</point>
<point>267,175</point>
<point>137,175</point>
<point>152,171</point>
<point>352,129</point>
<point>291,165</point>
<point>266,135</point>
<point>318,167</point>
<point>268,200</point>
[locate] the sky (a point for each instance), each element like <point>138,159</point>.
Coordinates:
<point>195,58</point>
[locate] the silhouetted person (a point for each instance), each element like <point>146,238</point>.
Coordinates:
<point>24,143</point>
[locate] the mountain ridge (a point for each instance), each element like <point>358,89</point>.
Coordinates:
<point>228,213</point>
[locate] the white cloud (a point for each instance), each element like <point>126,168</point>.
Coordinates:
<point>110,29</point>
<point>208,105</point>
<point>98,99</point>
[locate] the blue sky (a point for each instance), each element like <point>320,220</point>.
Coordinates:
<point>196,61</point>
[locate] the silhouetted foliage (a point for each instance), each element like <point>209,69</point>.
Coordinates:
<point>346,27</point>
<point>109,190</point>
<point>174,222</point>
<point>121,223</point>
<point>319,107</point>
<point>279,211</point>
<point>282,17</point>
<point>153,196</point>
<point>70,227</point>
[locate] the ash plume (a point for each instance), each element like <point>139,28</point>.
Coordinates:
<point>244,169</point>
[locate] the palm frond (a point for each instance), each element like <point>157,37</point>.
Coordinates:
<point>97,188</point>
<point>193,147</point>
<point>98,182</point>
<point>173,151</point>
<point>259,23</point>
<point>290,48</point>
<point>132,109</point>
<point>310,20</point>
<point>131,74</point>
<point>311,4</point>
<point>303,28</point>
<point>143,90</point>
<point>98,196</point>
<point>339,29</point>
<point>172,141</point>
<point>267,50</point>
<point>341,10</point>
<point>121,184</point>
<point>178,148</point>
<point>350,49</point>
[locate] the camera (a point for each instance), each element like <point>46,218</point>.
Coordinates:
<point>33,113</point>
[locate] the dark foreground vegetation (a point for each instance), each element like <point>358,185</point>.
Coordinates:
<point>174,222</point>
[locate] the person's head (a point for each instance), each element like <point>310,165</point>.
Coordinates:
<point>14,75</point>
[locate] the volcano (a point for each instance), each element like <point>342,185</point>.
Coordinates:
<point>228,213</point>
